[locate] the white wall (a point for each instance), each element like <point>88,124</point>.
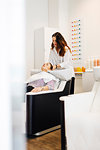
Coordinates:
<point>53,13</point>
<point>36,17</point>
<point>63,18</point>
<point>89,13</point>
<point>58,16</point>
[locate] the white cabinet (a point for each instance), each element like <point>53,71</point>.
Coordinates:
<point>78,83</point>
<point>84,82</point>
<point>42,43</point>
<point>88,80</point>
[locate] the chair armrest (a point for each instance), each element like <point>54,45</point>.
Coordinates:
<point>78,102</point>
<point>86,117</point>
<point>84,130</point>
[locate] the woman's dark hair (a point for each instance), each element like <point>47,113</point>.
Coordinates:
<point>61,43</point>
<point>51,66</point>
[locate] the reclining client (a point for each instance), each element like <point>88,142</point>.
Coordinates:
<point>43,84</point>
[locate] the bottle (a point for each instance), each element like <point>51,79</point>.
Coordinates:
<point>83,69</point>
<point>95,62</point>
<point>98,61</point>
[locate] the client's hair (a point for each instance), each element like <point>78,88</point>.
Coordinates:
<point>51,66</point>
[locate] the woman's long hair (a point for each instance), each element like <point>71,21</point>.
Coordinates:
<point>61,43</point>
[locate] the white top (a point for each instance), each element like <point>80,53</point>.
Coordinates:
<point>64,62</point>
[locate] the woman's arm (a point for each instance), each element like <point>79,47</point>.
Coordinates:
<point>67,60</point>
<point>52,60</point>
<point>51,55</point>
<point>49,86</point>
<point>56,66</point>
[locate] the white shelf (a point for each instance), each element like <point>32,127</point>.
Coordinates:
<point>79,72</point>
<point>87,70</point>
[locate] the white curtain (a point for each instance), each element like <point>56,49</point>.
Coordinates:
<point>12,73</point>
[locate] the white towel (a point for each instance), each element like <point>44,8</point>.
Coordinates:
<point>46,76</point>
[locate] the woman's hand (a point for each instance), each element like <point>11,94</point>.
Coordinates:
<point>56,67</point>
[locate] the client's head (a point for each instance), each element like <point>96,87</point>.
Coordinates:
<point>47,66</point>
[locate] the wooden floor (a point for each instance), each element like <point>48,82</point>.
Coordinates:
<point>50,141</point>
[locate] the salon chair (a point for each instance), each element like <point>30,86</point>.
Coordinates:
<point>43,109</point>
<point>81,113</point>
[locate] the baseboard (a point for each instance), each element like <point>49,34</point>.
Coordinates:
<point>48,130</point>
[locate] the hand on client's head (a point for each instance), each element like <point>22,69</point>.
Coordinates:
<point>46,67</point>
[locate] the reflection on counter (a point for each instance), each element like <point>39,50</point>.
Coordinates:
<point>84,81</point>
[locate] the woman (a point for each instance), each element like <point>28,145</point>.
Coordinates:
<point>41,84</point>
<point>60,53</point>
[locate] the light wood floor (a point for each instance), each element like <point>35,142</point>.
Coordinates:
<point>50,141</point>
